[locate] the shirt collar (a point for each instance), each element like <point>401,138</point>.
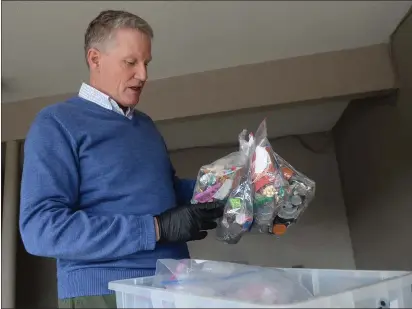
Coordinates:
<point>91,94</point>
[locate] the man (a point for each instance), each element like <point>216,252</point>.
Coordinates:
<point>99,193</point>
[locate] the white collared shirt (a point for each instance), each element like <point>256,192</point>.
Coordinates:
<point>91,94</point>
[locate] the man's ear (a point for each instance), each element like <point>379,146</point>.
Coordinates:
<point>93,58</point>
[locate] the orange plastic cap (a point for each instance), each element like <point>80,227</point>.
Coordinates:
<point>279,229</point>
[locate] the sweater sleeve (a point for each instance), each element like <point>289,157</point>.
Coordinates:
<point>52,223</point>
<point>183,187</point>
<point>184,190</point>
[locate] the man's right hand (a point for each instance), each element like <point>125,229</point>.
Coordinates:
<point>189,222</point>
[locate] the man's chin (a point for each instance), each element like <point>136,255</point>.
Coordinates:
<point>129,103</point>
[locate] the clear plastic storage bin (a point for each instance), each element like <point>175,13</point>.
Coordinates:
<point>332,289</point>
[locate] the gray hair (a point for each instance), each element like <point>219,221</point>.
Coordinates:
<point>104,25</point>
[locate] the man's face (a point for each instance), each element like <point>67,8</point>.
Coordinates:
<point>120,70</point>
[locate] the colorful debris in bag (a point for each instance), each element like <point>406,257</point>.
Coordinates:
<point>227,179</point>
<point>281,193</point>
<point>258,186</point>
<point>215,181</point>
<point>269,187</point>
<point>300,192</point>
<point>245,283</point>
<point>238,213</point>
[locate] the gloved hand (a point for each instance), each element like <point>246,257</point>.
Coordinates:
<point>189,222</point>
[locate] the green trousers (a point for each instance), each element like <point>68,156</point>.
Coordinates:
<point>104,302</point>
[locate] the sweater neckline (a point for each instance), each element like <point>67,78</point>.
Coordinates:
<point>95,107</point>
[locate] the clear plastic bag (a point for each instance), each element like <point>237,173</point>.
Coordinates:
<point>215,181</point>
<point>253,284</point>
<point>238,213</point>
<point>268,182</point>
<point>228,180</point>
<point>281,193</point>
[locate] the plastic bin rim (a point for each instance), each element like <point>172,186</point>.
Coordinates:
<point>115,286</point>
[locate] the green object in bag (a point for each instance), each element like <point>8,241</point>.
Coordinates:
<point>236,203</point>
<point>261,200</point>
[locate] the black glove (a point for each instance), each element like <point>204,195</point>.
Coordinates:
<point>189,222</point>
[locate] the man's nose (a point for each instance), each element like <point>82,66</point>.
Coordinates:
<point>141,72</point>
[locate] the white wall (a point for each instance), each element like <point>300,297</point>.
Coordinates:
<point>376,171</point>
<point>373,143</point>
<point>320,240</point>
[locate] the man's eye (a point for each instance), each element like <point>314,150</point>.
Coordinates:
<point>131,62</point>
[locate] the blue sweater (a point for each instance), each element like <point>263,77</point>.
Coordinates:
<point>92,181</point>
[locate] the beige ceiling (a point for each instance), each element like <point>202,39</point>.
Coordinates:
<point>42,41</point>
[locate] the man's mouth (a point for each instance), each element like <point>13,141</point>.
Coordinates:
<point>136,88</point>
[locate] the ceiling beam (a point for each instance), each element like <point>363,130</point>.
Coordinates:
<point>319,76</point>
